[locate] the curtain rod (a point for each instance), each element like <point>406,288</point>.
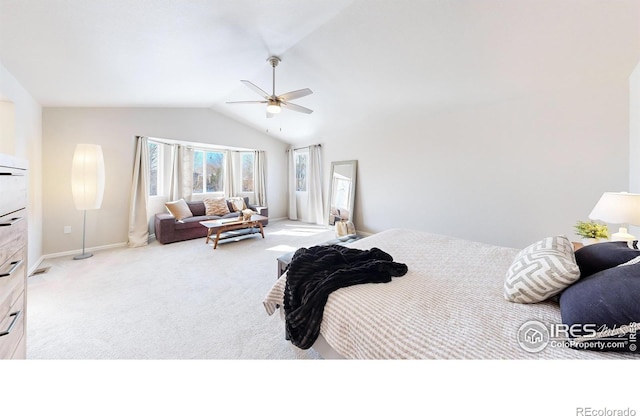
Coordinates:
<point>305,147</point>
<point>199,145</point>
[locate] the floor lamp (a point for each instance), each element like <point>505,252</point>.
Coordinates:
<point>87,183</point>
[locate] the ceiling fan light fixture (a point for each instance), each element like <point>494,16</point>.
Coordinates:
<point>273,107</point>
<point>274,102</point>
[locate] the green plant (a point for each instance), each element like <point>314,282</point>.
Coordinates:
<point>590,229</point>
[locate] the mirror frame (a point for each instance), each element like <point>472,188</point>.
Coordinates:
<point>353,164</point>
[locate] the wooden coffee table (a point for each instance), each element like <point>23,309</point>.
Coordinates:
<point>231,224</point>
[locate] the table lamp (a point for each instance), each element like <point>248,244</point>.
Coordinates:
<point>618,208</point>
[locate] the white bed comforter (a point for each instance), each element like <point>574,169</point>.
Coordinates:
<point>449,305</point>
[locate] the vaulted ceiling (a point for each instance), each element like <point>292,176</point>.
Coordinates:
<point>365,60</point>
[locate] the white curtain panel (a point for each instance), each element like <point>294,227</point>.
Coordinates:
<point>181,185</point>
<point>186,159</point>
<point>293,208</point>
<point>260,178</point>
<point>314,184</point>
<point>175,185</point>
<point>229,170</point>
<point>138,219</point>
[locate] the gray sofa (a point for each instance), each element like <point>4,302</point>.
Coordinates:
<point>170,230</point>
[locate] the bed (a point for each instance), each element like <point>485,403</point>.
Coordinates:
<point>449,305</point>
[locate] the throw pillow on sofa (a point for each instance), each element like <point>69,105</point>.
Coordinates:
<point>216,206</point>
<point>237,204</point>
<point>179,209</point>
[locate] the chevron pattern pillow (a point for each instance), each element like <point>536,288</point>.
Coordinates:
<point>541,271</point>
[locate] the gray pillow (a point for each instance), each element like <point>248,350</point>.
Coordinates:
<point>541,270</point>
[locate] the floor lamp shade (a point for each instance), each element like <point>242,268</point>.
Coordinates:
<point>87,176</point>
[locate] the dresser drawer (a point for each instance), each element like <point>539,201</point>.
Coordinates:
<point>12,279</point>
<point>13,233</point>
<point>12,330</point>
<point>13,188</point>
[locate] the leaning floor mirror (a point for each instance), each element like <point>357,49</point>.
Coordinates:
<point>342,191</point>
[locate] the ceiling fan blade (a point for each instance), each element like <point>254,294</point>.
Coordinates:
<point>255,88</point>
<point>247,102</point>
<point>298,108</point>
<point>292,95</point>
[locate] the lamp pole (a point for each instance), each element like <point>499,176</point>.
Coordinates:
<point>84,232</point>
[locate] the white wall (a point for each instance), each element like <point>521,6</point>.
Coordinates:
<point>634,136</point>
<point>26,144</point>
<point>115,130</point>
<point>634,130</point>
<point>506,173</point>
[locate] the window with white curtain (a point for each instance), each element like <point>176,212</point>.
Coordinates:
<point>155,168</point>
<point>208,172</point>
<point>209,169</point>
<point>301,158</point>
<point>246,174</point>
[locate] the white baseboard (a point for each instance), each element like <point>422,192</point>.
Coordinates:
<point>42,258</point>
<point>35,266</point>
<point>278,219</point>
<point>73,252</point>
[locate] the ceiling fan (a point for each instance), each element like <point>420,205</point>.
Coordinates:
<point>276,102</point>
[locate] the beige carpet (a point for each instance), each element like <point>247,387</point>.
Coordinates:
<point>176,301</point>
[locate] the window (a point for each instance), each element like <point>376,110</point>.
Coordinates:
<point>247,171</point>
<point>208,172</point>
<point>301,171</point>
<point>154,161</point>
<point>209,176</point>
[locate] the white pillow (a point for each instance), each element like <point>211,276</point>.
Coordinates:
<point>179,209</point>
<point>237,203</point>
<point>542,270</point>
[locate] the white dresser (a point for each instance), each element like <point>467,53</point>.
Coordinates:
<point>13,257</point>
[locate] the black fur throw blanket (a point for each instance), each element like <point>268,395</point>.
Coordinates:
<point>317,271</point>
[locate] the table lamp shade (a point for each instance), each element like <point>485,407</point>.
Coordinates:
<point>617,208</point>
<point>87,176</point>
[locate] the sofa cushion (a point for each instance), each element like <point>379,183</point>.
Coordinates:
<point>216,206</point>
<point>194,221</point>
<point>197,208</point>
<point>179,209</point>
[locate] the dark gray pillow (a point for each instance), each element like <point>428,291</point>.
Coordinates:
<point>597,257</point>
<point>603,310</point>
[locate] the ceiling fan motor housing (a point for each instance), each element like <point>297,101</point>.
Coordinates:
<point>274,61</point>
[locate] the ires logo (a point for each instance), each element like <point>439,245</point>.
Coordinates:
<point>534,336</point>
<point>563,331</point>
